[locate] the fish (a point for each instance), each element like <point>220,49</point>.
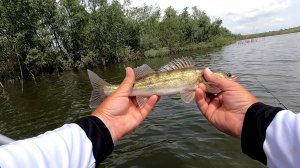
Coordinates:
<point>179,76</point>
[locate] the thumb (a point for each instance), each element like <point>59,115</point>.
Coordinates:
<point>127,84</point>
<point>220,82</point>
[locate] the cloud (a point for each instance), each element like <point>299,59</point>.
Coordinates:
<point>261,17</point>
<point>241,16</point>
<point>278,19</point>
<point>264,11</point>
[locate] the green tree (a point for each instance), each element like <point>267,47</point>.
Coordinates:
<point>146,25</point>
<point>186,24</point>
<point>170,29</point>
<point>72,21</point>
<point>201,23</point>
<point>46,36</point>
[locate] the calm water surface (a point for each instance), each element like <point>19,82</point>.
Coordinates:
<point>175,134</point>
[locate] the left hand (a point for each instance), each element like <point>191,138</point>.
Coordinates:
<point>120,112</point>
<point>225,111</point>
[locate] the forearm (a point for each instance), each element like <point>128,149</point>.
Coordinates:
<point>271,135</point>
<point>99,135</point>
<point>84,143</point>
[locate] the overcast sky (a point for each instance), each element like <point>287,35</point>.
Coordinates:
<point>241,16</point>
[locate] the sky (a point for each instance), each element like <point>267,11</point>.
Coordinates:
<point>240,16</point>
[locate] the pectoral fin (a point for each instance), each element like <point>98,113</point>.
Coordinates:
<point>211,88</point>
<point>141,100</point>
<point>187,96</point>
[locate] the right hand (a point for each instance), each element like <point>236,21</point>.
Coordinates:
<point>120,112</point>
<point>226,110</point>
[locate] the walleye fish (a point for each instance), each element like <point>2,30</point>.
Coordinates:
<point>179,76</point>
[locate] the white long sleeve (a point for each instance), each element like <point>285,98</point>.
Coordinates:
<point>282,143</point>
<point>82,144</point>
<point>271,135</point>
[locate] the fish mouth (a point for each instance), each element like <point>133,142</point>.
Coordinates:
<point>235,78</point>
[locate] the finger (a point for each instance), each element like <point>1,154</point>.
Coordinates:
<point>134,101</point>
<point>127,84</point>
<point>201,100</point>
<point>202,86</point>
<point>213,106</point>
<point>211,109</point>
<point>220,82</point>
<point>207,99</point>
<point>145,110</point>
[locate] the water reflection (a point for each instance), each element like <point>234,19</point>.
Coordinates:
<point>175,134</point>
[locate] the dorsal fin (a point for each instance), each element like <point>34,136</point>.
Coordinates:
<point>142,70</point>
<point>178,63</point>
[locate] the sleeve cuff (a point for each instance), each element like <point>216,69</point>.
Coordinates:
<point>99,135</point>
<point>257,119</point>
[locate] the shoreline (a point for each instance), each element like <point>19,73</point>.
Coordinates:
<point>270,33</point>
<point>152,53</point>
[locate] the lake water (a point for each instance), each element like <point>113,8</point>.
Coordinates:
<point>175,134</point>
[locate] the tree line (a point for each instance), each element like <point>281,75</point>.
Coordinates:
<point>269,33</point>
<point>54,35</point>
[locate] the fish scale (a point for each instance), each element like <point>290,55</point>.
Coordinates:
<point>177,77</point>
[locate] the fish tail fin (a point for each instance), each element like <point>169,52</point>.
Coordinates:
<point>98,85</point>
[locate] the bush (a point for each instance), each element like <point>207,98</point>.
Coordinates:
<point>157,52</point>
<point>65,62</point>
<point>193,47</point>
<point>125,53</point>
<point>35,59</point>
<point>90,59</point>
<point>164,51</point>
<point>151,53</point>
<point>221,41</point>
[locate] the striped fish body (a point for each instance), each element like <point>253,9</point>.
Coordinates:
<point>177,77</point>
<point>163,83</point>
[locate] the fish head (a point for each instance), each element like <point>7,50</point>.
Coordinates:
<point>212,88</point>
<point>228,76</point>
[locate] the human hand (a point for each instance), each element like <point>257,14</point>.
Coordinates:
<point>121,113</point>
<point>226,110</point>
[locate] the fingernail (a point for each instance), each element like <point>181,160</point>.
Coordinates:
<point>208,71</point>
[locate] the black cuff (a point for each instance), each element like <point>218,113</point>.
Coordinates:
<point>99,135</point>
<point>257,119</point>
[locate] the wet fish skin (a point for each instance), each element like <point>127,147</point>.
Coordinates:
<point>168,83</point>
<point>163,83</point>
<point>178,76</point>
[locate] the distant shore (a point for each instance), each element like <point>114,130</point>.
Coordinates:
<point>270,33</point>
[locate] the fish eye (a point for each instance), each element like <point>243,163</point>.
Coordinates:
<point>229,74</point>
